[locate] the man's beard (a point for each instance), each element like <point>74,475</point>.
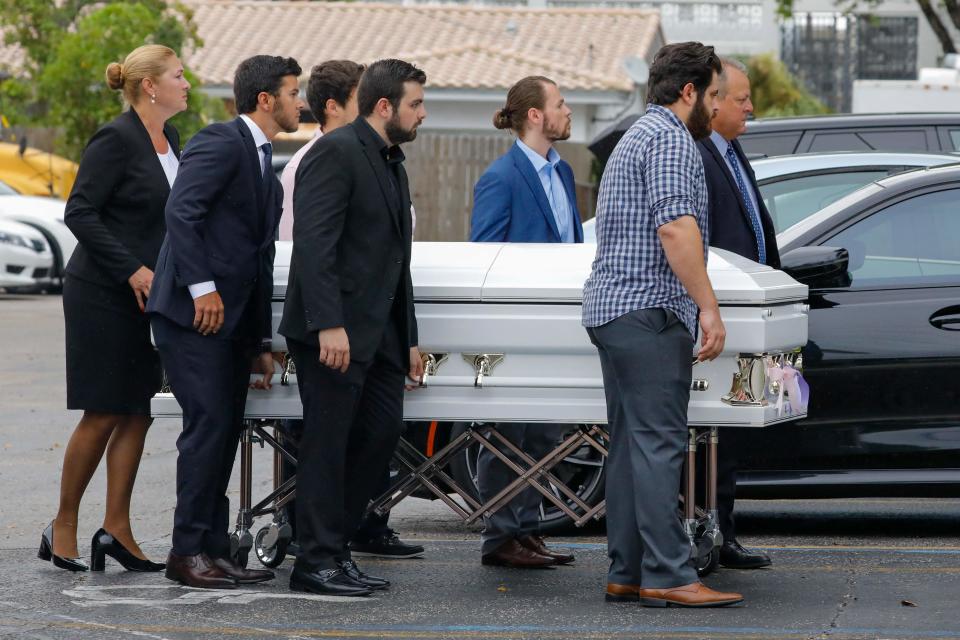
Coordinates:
<point>699,121</point>
<point>286,124</point>
<point>557,131</point>
<point>396,133</point>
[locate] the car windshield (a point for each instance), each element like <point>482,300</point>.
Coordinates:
<point>793,199</point>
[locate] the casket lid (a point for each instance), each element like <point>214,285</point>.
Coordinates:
<point>488,272</point>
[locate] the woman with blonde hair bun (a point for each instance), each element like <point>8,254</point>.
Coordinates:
<point>116,212</point>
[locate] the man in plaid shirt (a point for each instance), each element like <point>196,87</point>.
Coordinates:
<point>641,306</point>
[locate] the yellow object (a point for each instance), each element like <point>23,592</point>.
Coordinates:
<point>36,173</point>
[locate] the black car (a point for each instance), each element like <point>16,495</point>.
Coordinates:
<point>883,358</point>
<point>882,361</point>
<point>852,132</point>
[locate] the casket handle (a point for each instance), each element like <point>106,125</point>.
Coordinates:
<point>431,362</point>
<point>483,364</point>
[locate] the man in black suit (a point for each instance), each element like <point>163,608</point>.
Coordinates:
<point>349,320</point>
<point>210,306</point>
<point>739,222</point>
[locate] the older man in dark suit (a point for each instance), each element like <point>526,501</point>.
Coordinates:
<point>210,306</point>
<point>349,320</point>
<point>739,222</point>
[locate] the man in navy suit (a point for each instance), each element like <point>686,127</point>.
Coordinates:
<point>210,306</point>
<point>739,222</point>
<point>527,195</point>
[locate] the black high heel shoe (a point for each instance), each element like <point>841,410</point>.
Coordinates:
<point>104,544</point>
<point>46,553</point>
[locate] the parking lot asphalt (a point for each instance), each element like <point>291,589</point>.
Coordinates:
<point>870,568</point>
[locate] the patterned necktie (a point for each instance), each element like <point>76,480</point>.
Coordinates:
<point>754,218</point>
<point>267,149</point>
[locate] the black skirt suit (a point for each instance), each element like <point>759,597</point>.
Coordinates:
<point>116,212</point>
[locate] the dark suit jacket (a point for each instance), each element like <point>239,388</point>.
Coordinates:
<point>351,244</point>
<point>730,226</point>
<point>509,204</point>
<point>115,208</point>
<point>222,217</point>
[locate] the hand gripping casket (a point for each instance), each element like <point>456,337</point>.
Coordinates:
<point>500,331</point>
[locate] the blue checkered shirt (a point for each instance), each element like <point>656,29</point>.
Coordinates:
<point>654,176</point>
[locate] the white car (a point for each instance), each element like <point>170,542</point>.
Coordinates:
<point>25,258</point>
<point>794,187</point>
<point>46,216</point>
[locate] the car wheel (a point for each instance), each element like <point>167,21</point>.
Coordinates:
<point>583,471</point>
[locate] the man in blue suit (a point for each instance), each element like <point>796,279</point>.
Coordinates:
<point>210,306</point>
<point>527,195</point>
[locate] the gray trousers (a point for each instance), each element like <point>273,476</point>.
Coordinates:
<point>646,359</point>
<point>521,516</point>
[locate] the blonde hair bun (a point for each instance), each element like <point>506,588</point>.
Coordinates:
<point>115,76</point>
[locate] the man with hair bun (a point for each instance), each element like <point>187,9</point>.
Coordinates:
<point>527,195</point>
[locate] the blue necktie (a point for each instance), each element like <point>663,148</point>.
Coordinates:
<point>267,149</point>
<point>754,218</point>
<point>558,203</point>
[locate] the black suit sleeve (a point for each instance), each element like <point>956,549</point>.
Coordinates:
<point>209,160</point>
<point>320,204</point>
<point>413,333</point>
<point>102,168</point>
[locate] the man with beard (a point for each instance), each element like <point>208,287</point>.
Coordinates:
<point>349,320</point>
<point>527,195</point>
<point>739,222</point>
<point>209,306</point>
<point>641,306</point>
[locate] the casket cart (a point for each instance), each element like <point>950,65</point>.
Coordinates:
<point>502,341</point>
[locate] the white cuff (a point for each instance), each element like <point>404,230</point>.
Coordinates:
<point>202,288</point>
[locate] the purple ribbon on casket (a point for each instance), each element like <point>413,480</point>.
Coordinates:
<point>794,392</point>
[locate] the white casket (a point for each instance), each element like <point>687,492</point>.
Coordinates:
<point>502,322</point>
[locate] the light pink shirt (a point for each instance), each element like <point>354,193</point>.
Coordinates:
<point>287,179</point>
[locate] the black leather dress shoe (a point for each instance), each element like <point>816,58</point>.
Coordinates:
<point>734,556</point>
<point>240,574</point>
<point>327,582</point>
<point>352,571</point>
<point>197,571</point>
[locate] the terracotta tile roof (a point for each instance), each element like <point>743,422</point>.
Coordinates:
<point>458,46</point>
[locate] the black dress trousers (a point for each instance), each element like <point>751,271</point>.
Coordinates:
<point>352,422</point>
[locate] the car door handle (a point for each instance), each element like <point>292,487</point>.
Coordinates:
<point>947,319</point>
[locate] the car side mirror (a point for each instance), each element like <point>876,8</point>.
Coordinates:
<point>818,267</point>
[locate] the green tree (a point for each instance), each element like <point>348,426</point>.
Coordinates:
<point>67,47</point>
<point>775,92</point>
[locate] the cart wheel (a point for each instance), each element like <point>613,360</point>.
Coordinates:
<point>240,547</point>
<point>707,563</point>
<point>270,555</point>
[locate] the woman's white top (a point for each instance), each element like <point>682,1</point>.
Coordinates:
<point>170,165</point>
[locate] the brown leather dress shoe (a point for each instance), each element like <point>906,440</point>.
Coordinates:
<point>512,554</point>
<point>197,571</point>
<point>240,574</point>
<point>695,594</point>
<point>622,592</point>
<point>536,544</point>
